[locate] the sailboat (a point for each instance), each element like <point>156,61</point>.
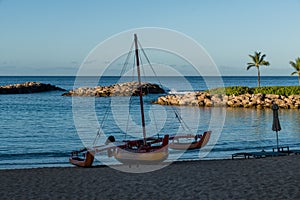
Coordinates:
<point>149,150</point>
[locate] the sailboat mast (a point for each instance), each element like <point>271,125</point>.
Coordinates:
<point>140,86</point>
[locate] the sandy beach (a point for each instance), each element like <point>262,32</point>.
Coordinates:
<point>267,178</point>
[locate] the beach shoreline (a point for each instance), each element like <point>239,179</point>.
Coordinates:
<point>266,178</point>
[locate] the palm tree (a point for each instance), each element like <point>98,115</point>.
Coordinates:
<point>296,66</point>
<point>257,61</point>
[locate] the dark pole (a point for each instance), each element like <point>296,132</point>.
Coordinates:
<point>276,124</point>
<point>277,140</point>
<point>140,87</point>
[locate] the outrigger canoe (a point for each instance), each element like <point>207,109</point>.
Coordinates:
<point>199,141</point>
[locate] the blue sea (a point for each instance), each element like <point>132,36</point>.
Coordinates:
<point>41,129</point>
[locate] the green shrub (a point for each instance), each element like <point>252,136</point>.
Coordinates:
<point>238,90</point>
<point>280,90</point>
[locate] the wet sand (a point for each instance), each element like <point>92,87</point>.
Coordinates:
<point>266,178</point>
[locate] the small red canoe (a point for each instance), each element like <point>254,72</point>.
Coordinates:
<point>200,141</point>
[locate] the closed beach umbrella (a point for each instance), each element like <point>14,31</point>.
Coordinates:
<point>276,124</point>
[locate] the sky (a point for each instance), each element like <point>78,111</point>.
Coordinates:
<point>53,37</point>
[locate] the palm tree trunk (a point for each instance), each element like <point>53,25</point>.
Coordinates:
<point>299,77</point>
<point>258,77</point>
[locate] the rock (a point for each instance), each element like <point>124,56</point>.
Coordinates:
<point>268,101</point>
<point>296,106</point>
<point>268,105</point>
<point>122,89</point>
<point>208,103</point>
<point>279,102</point>
<point>251,104</point>
<point>259,101</point>
<point>225,98</point>
<point>216,99</point>
<point>245,102</point>
<point>259,107</point>
<point>28,87</point>
<point>230,103</point>
<point>272,96</point>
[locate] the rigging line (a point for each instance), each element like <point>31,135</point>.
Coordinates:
<point>133,71</point>
<point>99,132</point>
<point>178,116</point>
<point>156,127</point>
<point>127,125</point>
<point>155,75</point>
<point>160,84</point>
<point>101,125</point>
<point>124,68</point>
<point>147,88</point>
<point>142,67</point>
<point>132,79</point>
<point>130,100</point>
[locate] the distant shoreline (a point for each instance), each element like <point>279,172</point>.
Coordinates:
<point>293,77</point>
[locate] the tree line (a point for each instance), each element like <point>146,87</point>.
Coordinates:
<point>259,60</point>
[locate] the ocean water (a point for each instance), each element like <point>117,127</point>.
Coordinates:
<point>40,129</point>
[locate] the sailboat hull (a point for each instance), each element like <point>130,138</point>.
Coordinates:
<point>138,154</point>
<point>128,156</point>
<point>193,145</point>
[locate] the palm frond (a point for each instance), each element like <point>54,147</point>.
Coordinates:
<point>296,65</point>
<point>293,73</point>
<point>250,65</point>
<point>257,56</point>
<point>262,58</point>
<point>253,57</point>
<point>257,53</point>
<point>258,60</point>
<point>293,65</point>
<point>266,63</point>
<point>298,60</point>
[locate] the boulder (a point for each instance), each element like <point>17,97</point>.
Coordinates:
<point>272,96</point>
<point>122,89</point>
<point>28,87</point>
<point>259,101</point>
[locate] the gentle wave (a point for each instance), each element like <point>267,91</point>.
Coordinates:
<point>173,91</point>
<point>38,130</point>
<point>35,155</point>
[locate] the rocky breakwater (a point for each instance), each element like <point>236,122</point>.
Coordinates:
<point>122,89</point>
<point>259,101</point>
<point>28,87</point>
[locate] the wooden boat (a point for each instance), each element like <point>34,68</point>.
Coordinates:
<point>199,141</point>
<point>142,151</point>
<point>134,153</point>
